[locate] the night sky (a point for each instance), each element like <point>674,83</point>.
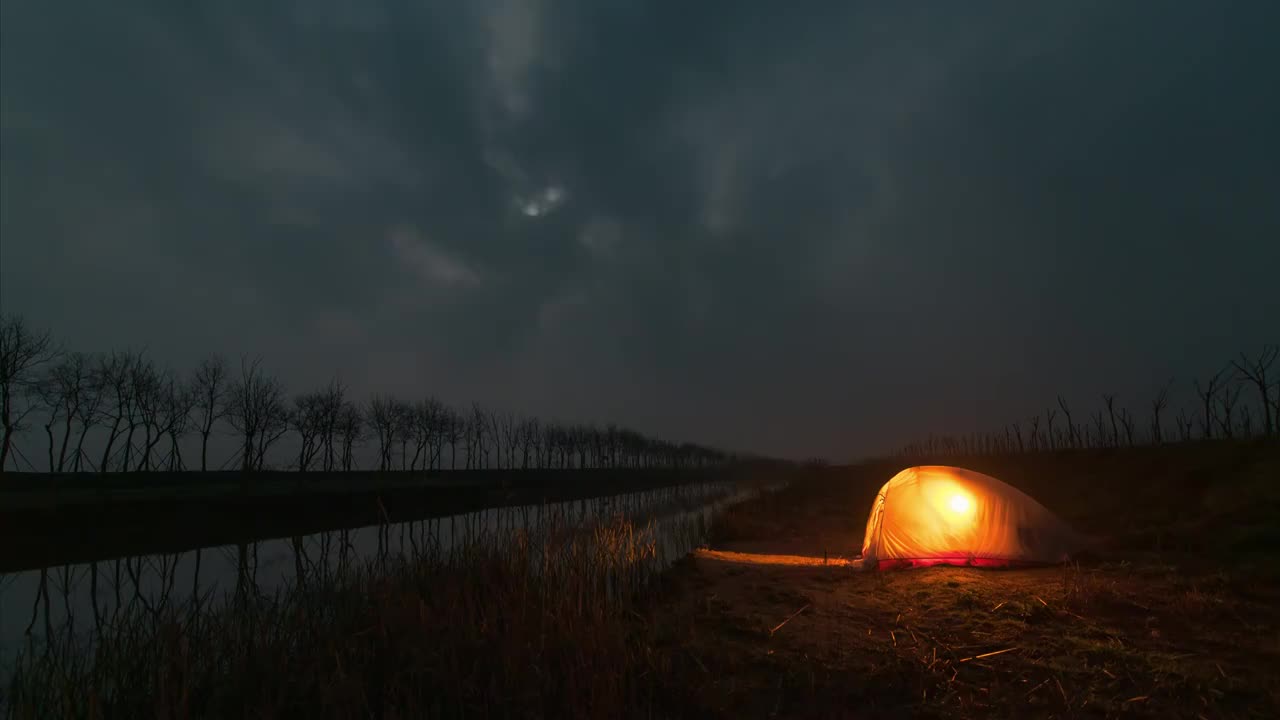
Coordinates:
<point>790,228</point>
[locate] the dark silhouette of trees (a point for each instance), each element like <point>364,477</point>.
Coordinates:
<point>307,419</point>
<point>89,410</point>
<point>1227,404</point>
<point>22,352</point>
<point>381,416</point>
<point>1072,432</point>
<point>133,387</point>
<point>350,432</point>
<point>1207,394</point>
<point>454,430</point>
<point>144,413</point>
<point>1110,401</point>
<point>115,373</point>
<point>1127,422</point>
<point>163,408</point>
<point>530,442</point>
<point>332,402</point>
<point>1220,412</point>
<point>1185,423</point>
<point>179,402</point>
<point>1158,404</point>
<point>477,434</point>
<point>209,400</point>
<point>427,431</point>
<point>1255,371</point>
<point>64,391</point>
<point>317,418</point>
<point>256,409</point>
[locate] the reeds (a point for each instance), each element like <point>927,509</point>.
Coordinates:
<point>510,621</point>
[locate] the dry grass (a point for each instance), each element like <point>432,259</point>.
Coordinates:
<point>539,627</point>
<point>1175,618</point>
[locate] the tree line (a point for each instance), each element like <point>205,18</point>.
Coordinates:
<point>1239,401</point>
<point>142,415</point>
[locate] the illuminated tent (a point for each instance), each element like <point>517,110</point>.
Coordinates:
<point>940,515</point>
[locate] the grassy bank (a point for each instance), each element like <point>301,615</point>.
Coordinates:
<point>540,626</point>
<point>1175,617</point>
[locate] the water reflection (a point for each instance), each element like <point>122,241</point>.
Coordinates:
<point>71,604</point>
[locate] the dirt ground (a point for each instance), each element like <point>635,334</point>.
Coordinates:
<point>1175,617</point>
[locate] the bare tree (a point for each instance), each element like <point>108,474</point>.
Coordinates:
<point>1099,424</point>
<point>1073,433</point>
<point>1184,422</point>
<point>307,418</point>
<point>115,373</point>
<point>22,352</point>
<point>419,431</point>
<point>351,432</point>
<point>1157,406</point>
<point>455,432</point>
<point>478,427</point>
<point>178,401</point>
<point>403,428</point>
<point>143,407</point>
<point>331,410</point>
<point>530,437</point>
<point>1127,422</point>
<point>509,427</point>
<point>1227,402</point>
<point>64,389</point>
<point>438,434</point>
<point>89,411</point>
<point>1110,401</point>
<point>426,418</point>
<point>1017,433</point>
<point>380,414</point>
<point>1275,410</point>
<point>494,421</point>
<point>1255,371</point>
<point>256,409</point>
<point>156,393</point>
<point>1207,395</point>
<point>209,393</point>
<point>138,381</point>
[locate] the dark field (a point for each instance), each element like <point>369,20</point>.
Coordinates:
<point>1174,617</point>
<point>1177,616</point>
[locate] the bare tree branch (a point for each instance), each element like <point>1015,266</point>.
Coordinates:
<point>22,352</point>
<point>1207,394</point>
<point>209,395</point>
<point>256,409</point>
<point>1255,371</point>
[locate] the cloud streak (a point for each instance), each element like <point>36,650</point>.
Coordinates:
<point>437,268</point>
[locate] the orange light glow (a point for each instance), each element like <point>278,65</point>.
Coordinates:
<point>960,503</point>
<point>761,559</point>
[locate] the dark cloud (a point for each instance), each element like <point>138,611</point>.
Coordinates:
<point>818,230</point>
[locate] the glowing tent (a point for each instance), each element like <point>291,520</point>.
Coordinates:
<point>940,515</point>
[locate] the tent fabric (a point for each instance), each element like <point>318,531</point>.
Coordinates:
<point>941,515</point>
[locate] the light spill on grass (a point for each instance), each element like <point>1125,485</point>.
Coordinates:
<point>1180,627</point>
